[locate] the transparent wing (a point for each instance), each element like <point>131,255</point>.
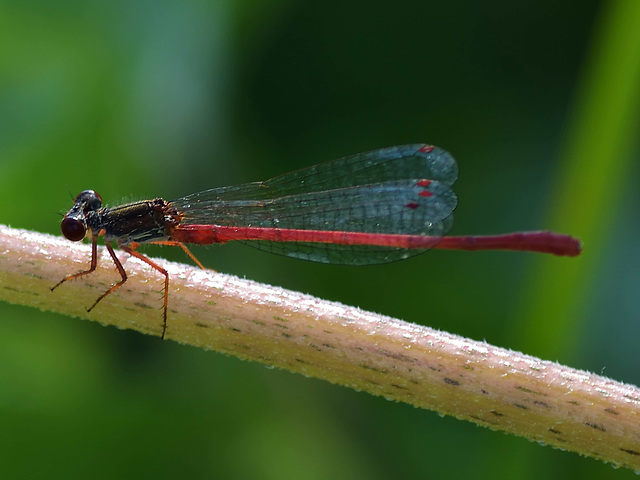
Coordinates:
<point>399,190</point>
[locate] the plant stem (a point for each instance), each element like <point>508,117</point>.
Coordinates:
<point>490,386</point>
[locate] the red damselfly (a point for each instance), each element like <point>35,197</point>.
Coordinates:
<point>374,207</point>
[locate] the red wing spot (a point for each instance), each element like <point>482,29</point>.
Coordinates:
<point>423,183</point>
<point>412,205</point>
<point>426,148</point>
<point>425,193</point>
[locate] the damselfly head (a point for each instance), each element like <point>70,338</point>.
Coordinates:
<point>74,224</point>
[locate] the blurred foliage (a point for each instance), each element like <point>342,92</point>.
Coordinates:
<point>138,99</point>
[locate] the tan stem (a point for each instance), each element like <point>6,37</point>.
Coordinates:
<point>501,389</point>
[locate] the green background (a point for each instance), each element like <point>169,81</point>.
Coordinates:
<point>537,102</point>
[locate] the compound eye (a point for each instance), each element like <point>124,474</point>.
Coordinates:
<point>73,229</point>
